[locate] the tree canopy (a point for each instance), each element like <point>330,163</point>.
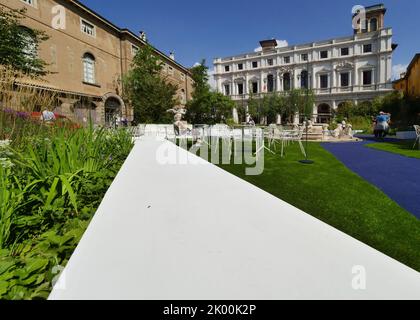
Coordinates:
<point>206,106</point>
<point>286,105</point>
<point>150,94</point>
<point>19,45</point>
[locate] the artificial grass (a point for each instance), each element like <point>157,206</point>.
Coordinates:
<point>404,148</point>
<point>332,193</point>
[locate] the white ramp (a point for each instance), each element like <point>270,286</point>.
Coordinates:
<point>197,232</point>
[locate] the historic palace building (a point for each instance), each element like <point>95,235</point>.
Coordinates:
<point>355,68</point>
<point>87,58</point>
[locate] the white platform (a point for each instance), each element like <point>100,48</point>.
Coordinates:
<point>197,232</point>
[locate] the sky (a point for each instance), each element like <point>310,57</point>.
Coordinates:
<point>198,29</point>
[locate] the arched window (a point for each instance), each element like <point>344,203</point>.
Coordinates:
<point>373,24</point>
<point>89,68</point>
<point>286,82</point>
<point>304,83</point>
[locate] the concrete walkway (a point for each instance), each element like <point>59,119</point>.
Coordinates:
<point>397,176</point>
<point>176,232</point>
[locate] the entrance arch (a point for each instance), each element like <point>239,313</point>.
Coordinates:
<point>114,107</point>
<point>324,113</point>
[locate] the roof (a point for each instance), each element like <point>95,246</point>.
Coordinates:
<point>119,30</point>
<point>410,66</point>
<point>376,7</point>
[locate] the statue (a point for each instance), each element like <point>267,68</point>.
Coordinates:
<point>180,126</point>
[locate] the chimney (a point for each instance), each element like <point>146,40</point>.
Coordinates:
<point>172,56</point>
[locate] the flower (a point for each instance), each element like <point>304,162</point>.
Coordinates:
<point>4,143</point>
<point>22,115</point>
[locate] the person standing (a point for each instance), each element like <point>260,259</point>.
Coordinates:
<point>382,125</point>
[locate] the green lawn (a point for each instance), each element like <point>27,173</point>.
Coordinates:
<point>330,192</point>
<point>404,148</point>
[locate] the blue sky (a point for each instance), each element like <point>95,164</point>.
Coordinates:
<point>207,29</point>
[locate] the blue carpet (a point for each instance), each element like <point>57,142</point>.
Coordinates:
<point>397,176</point>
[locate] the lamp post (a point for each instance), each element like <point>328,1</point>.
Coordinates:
<point>306,160</point>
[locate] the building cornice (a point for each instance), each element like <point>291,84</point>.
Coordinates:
<point>341,41</point>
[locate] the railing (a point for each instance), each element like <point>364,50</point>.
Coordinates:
<point>319,91</point>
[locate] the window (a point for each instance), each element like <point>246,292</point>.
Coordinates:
<point>270,62</point>
<point>286,60</point>
<point>134,49</point>
<point>240,66</point>
<point>227,89</point>
<point>324,54</point>
<point>182,77</point>
<point>89,68</point>
<point>227,68</point>
<point>304,57</point>
<point>323,81</point>
<point>183,97</point>
<point>255,87</point>
<point>304,83</point>
<point>28,37</point>
<point>270,83</point>
<point>345,79</point>
<point>88,28</point>
<point>30,2</point>
<point>367,48</point>
<point>373,24</point>
<point>286,82</point>
<point>345,51</point>
<point>171,70</point>
<point>240,88</point>
<point>255,64</point>
<point>367,78</point>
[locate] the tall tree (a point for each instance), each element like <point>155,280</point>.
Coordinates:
<point>148,91</point>
<point>19,45</point>
<point>207,107</point>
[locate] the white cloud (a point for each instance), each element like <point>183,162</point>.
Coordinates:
<point>397,70</point>
<point>196,64</point>
<point>280,44</point>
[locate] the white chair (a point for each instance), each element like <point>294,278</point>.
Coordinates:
<point>290,136</point>
<point>138,131</point>
<point>417,128</point>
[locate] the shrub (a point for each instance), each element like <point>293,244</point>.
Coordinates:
<point>47,198</point>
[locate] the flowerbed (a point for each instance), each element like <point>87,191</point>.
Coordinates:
<point>51,183</point>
